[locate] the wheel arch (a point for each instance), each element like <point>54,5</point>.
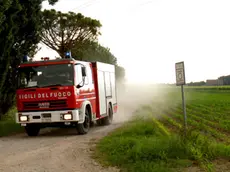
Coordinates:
<point>85,105</point>
<point>110,105</point>
<point>89,108</point>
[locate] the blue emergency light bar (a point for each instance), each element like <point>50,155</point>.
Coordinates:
<point>25,58</point>
<point>68,54</point>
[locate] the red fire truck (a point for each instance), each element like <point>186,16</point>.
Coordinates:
<point>65,92</point>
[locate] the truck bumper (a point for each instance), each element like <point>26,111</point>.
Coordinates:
<point>48,116</point>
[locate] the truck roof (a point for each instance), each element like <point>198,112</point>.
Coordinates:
<point>49,62</point>
<point>63,61</point>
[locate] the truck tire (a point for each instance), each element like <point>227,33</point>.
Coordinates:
<point>32,129</point>
<point>83,128</point>
<point>99,122</point>
<point>108,119</point>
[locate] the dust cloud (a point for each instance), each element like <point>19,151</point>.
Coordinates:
<point>131,97</point>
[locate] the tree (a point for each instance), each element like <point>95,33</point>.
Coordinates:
<point>19,35</point>
<point>9,11</point>
<point>93,51</point>
<point>63,31</point>
<point>120,73</point>
<point>69,31</point>
<point>52,2</point>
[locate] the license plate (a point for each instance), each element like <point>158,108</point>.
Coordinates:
<point>46,119</point>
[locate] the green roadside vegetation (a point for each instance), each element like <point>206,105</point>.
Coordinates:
<point>156,143</point>
<point>8,125</point>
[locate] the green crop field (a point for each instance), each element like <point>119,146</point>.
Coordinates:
<point>154,140</point>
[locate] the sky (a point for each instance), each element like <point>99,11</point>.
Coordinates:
<point>149,36</point>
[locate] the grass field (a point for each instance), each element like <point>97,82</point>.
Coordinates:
<point>8,125</point>
<point>157,142</point>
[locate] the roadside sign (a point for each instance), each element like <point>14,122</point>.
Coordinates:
<point>180,73</point>
<point>180,81</point>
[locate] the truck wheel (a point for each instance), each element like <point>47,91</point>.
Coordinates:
<point>99,122</point>
<point>108,120</point>
<point>32,130</point>
<point>83,128</point>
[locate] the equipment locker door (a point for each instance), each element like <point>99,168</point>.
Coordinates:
<point>102,93</point>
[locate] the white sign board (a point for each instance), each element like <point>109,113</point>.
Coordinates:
<point>180,73</point>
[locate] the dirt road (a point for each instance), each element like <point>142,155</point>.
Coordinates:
<point>63,150</point>
<point>52,151</point>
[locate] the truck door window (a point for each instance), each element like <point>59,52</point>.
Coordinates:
<point>89,75</point>
<point>86,77</point>
<point>78,75</point>
<point>79,79</point>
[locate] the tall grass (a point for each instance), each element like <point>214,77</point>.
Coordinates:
<point>142,146</point>
<point>8,125</point>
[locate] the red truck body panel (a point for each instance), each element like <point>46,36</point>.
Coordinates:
<point>59,98</point>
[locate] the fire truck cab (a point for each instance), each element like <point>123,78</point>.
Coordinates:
<point>65,92</point>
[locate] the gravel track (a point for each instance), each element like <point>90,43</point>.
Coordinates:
<point>52,151</point>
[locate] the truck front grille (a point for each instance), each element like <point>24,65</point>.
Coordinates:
<point>53,104</point>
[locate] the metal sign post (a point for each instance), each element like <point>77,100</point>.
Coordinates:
<point>180,81</point>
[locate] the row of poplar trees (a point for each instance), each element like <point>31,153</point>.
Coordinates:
<point>23,25</point>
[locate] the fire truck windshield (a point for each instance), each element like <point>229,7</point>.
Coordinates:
<point>44,76</point>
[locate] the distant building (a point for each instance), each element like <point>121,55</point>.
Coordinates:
<point>224,80</point>
<point>221,80</point>
<point>212,82</point>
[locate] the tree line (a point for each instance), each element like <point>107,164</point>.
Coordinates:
<point>23,25</point>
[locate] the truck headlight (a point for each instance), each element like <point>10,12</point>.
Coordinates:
<point>67,116</point>
<point>23,118</point>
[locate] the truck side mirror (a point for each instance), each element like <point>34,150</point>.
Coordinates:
<point>83,70</point>
<point>79,86</point>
